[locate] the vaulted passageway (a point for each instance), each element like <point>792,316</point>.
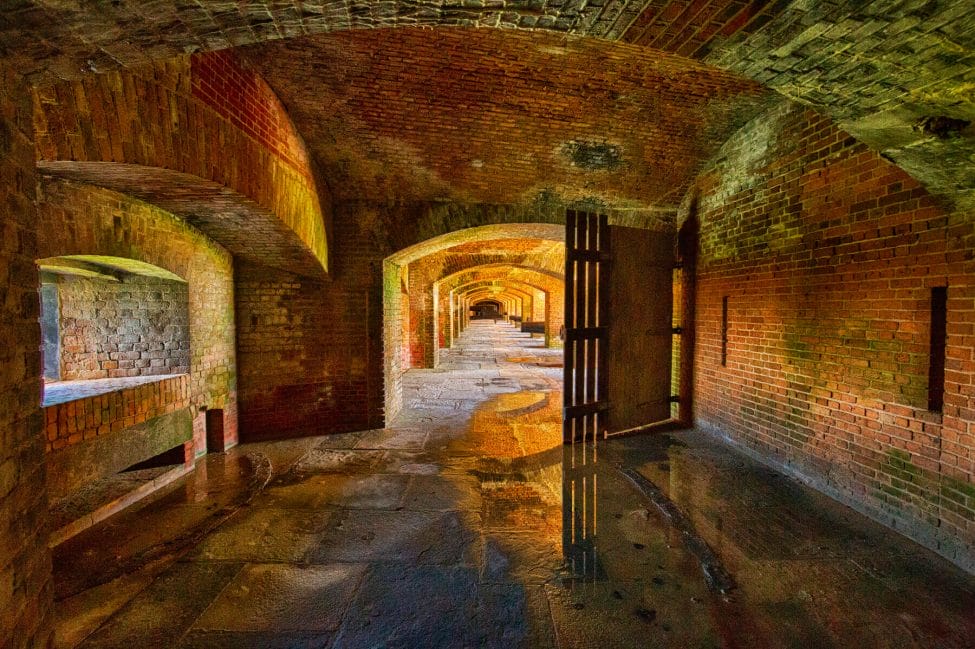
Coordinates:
<point>467,523</point>
<point>294,161</point>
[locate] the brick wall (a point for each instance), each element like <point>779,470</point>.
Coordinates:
<point>827,254</point>
<point>66,424</point>
<point>239,94</point>
<point>310,352</point>
<point>692,28</point>
<point>396,335</point>
<point>136,327</point>
<point>162,116</point>
<point>25,565</point>
<point>76,219</point>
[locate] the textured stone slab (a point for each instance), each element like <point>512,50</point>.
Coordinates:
<point>73,466</point>
<point>443,538</point>
<point>443,493</point>
<point>280,598</point>
<point>162,613</point>
<point>258,534</point>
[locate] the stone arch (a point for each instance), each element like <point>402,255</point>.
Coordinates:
<point>490,232</point>
<point>75,219</point>
<point>396,353</point>
<point>525,293</point>
<point>203,136</point>
<point>550,282</point>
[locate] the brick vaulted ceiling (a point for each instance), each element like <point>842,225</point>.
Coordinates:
<point>72,38</point>
<point>897,74</point>
<point>478,115</point>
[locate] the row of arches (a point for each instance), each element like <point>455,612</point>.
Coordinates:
<point>431,287</point>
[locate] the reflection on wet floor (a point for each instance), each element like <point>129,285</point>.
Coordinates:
<point>468,524</point>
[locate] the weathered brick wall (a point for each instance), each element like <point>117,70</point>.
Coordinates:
<point>310,352</point>
<point>74,422</point>
<point>76,219</point>
<point>897,76</point>
<point>693,28</point>
<point>136,327</point>
<point>25,565</point>
<point>827,255</point>
<point>240,95</point>
<point>421,277</point>
<point>396,335</point>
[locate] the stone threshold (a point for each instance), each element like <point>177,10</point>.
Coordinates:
<point>118,503</point>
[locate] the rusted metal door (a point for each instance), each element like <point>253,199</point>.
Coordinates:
<point>584,397</point>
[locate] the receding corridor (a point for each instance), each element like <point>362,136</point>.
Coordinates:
<point>447,529</point>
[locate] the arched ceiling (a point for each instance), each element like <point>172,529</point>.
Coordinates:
<point>245,228</point>
<point>898,75</point>
<point>498,257</point>
<point>527,289</point>
<point>487,116</point>
<point>494,293</point>
<point>512,289</point>
<point>76,38</point>
<point>538,276</point>
<point>491,235</point>
<point>535,253</point>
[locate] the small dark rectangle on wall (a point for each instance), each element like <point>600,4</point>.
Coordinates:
<point>724,331</point>
<point>215,434</point>
<point>936,368</point>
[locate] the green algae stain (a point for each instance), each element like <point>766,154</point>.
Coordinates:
<point>899,465</point>
<point>909,483</point>
<point>958,496</point>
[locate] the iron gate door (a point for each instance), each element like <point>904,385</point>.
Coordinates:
<point>584,396</point>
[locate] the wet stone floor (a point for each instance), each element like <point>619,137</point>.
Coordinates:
<point>454,527</point>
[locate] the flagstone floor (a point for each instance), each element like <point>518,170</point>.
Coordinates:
<point>454,527</point>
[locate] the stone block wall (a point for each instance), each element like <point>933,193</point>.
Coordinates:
<point>25,564</point>
<point>78,219</point>
<point>825,256</point>
<point>136,327</point>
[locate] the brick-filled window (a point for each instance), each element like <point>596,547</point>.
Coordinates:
<point>102,323</point>
<point>936,369</point>
<point>724,331</point>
